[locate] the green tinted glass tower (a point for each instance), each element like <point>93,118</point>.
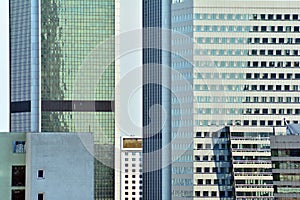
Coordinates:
<point>63,74</point>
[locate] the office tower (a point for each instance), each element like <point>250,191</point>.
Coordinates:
<point>156,100</point>
<point>285,166</point>
<point>241,59</point>
<point>46,166</point>
<point>63,74</point>
<point>131,168</point>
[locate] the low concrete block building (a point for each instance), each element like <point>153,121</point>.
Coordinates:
<point>46,166</point>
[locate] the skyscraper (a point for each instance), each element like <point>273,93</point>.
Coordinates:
<point>156,100</point>
<point>63,74</point>
<point>242,61</point>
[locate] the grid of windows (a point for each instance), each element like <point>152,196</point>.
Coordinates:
<point>132,175</point>
<point>67,40</point>
<point>245,73</point>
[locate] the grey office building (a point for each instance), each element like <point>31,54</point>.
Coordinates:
<point>285,153</point>
<point>156,100</point>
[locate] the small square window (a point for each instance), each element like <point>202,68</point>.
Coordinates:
<point>278,16</point>
<point>19,146</point>
<point>287,17</point>
<point>213,194</point>
<point>295,17</point>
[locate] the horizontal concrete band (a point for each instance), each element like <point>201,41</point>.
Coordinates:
<point>65,106</point>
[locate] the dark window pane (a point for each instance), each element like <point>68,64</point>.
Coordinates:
<point>18,176</point>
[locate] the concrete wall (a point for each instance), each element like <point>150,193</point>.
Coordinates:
<point>7,160</point>
<point>68,164</point>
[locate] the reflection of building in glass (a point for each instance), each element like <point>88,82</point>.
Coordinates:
<point>240,60</point>
<point>19,146</point>
<point>63,74</point>
<point>285,166</point>
<point>131,168</point>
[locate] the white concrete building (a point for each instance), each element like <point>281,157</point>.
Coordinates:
<point>240,63</point>
<point>131,168</point>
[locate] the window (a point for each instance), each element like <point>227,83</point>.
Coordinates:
<point>205,193</point>
<point>200,181</point>
<point>18,195</point>
<point>40,196</point>
<point>278,16</point>
<point>287,17</point>
<point>278,87</point>
<point>207,181</point>
<point>265,111</point>
<point>265,40</point>
<point>18,176</point>
<point>206,169</point>
<point>213,194</point>
<point>270,17</point>
<point>40,173</point>
<point>19,146</point>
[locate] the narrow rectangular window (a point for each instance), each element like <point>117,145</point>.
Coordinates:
<point>40,196</point>
<point>18,176</point>
<point>40,173</point>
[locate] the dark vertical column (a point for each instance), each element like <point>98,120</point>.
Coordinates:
<point>156,100</point>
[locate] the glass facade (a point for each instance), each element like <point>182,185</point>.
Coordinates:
<point>20,46</point>
<point>156,100</point>
<point>75,71</point>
